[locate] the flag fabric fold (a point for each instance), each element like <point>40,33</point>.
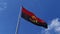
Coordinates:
<point>29,16</point>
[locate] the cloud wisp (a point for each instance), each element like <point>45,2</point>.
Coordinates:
<point>53,28</point>
<point>3,6</point>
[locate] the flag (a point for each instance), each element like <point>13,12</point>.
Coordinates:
<point>29,16</point>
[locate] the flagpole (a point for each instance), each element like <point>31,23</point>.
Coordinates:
<point>18,22</point>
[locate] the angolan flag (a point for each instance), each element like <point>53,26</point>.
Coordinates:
<point>29,16</point>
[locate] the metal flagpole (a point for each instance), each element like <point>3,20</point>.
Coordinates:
<point>18,22</point>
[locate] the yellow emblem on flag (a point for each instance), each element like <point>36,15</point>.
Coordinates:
<point>33,19</point>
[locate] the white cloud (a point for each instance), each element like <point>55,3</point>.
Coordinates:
<point>54,26</point>
<point>57,29</point>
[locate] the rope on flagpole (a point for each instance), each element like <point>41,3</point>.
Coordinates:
<point>18,22</point>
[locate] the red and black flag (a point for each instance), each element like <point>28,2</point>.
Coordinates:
<point>29,16</point>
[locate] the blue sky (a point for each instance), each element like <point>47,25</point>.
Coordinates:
<point>9,10</point>
<point>48,10</point>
